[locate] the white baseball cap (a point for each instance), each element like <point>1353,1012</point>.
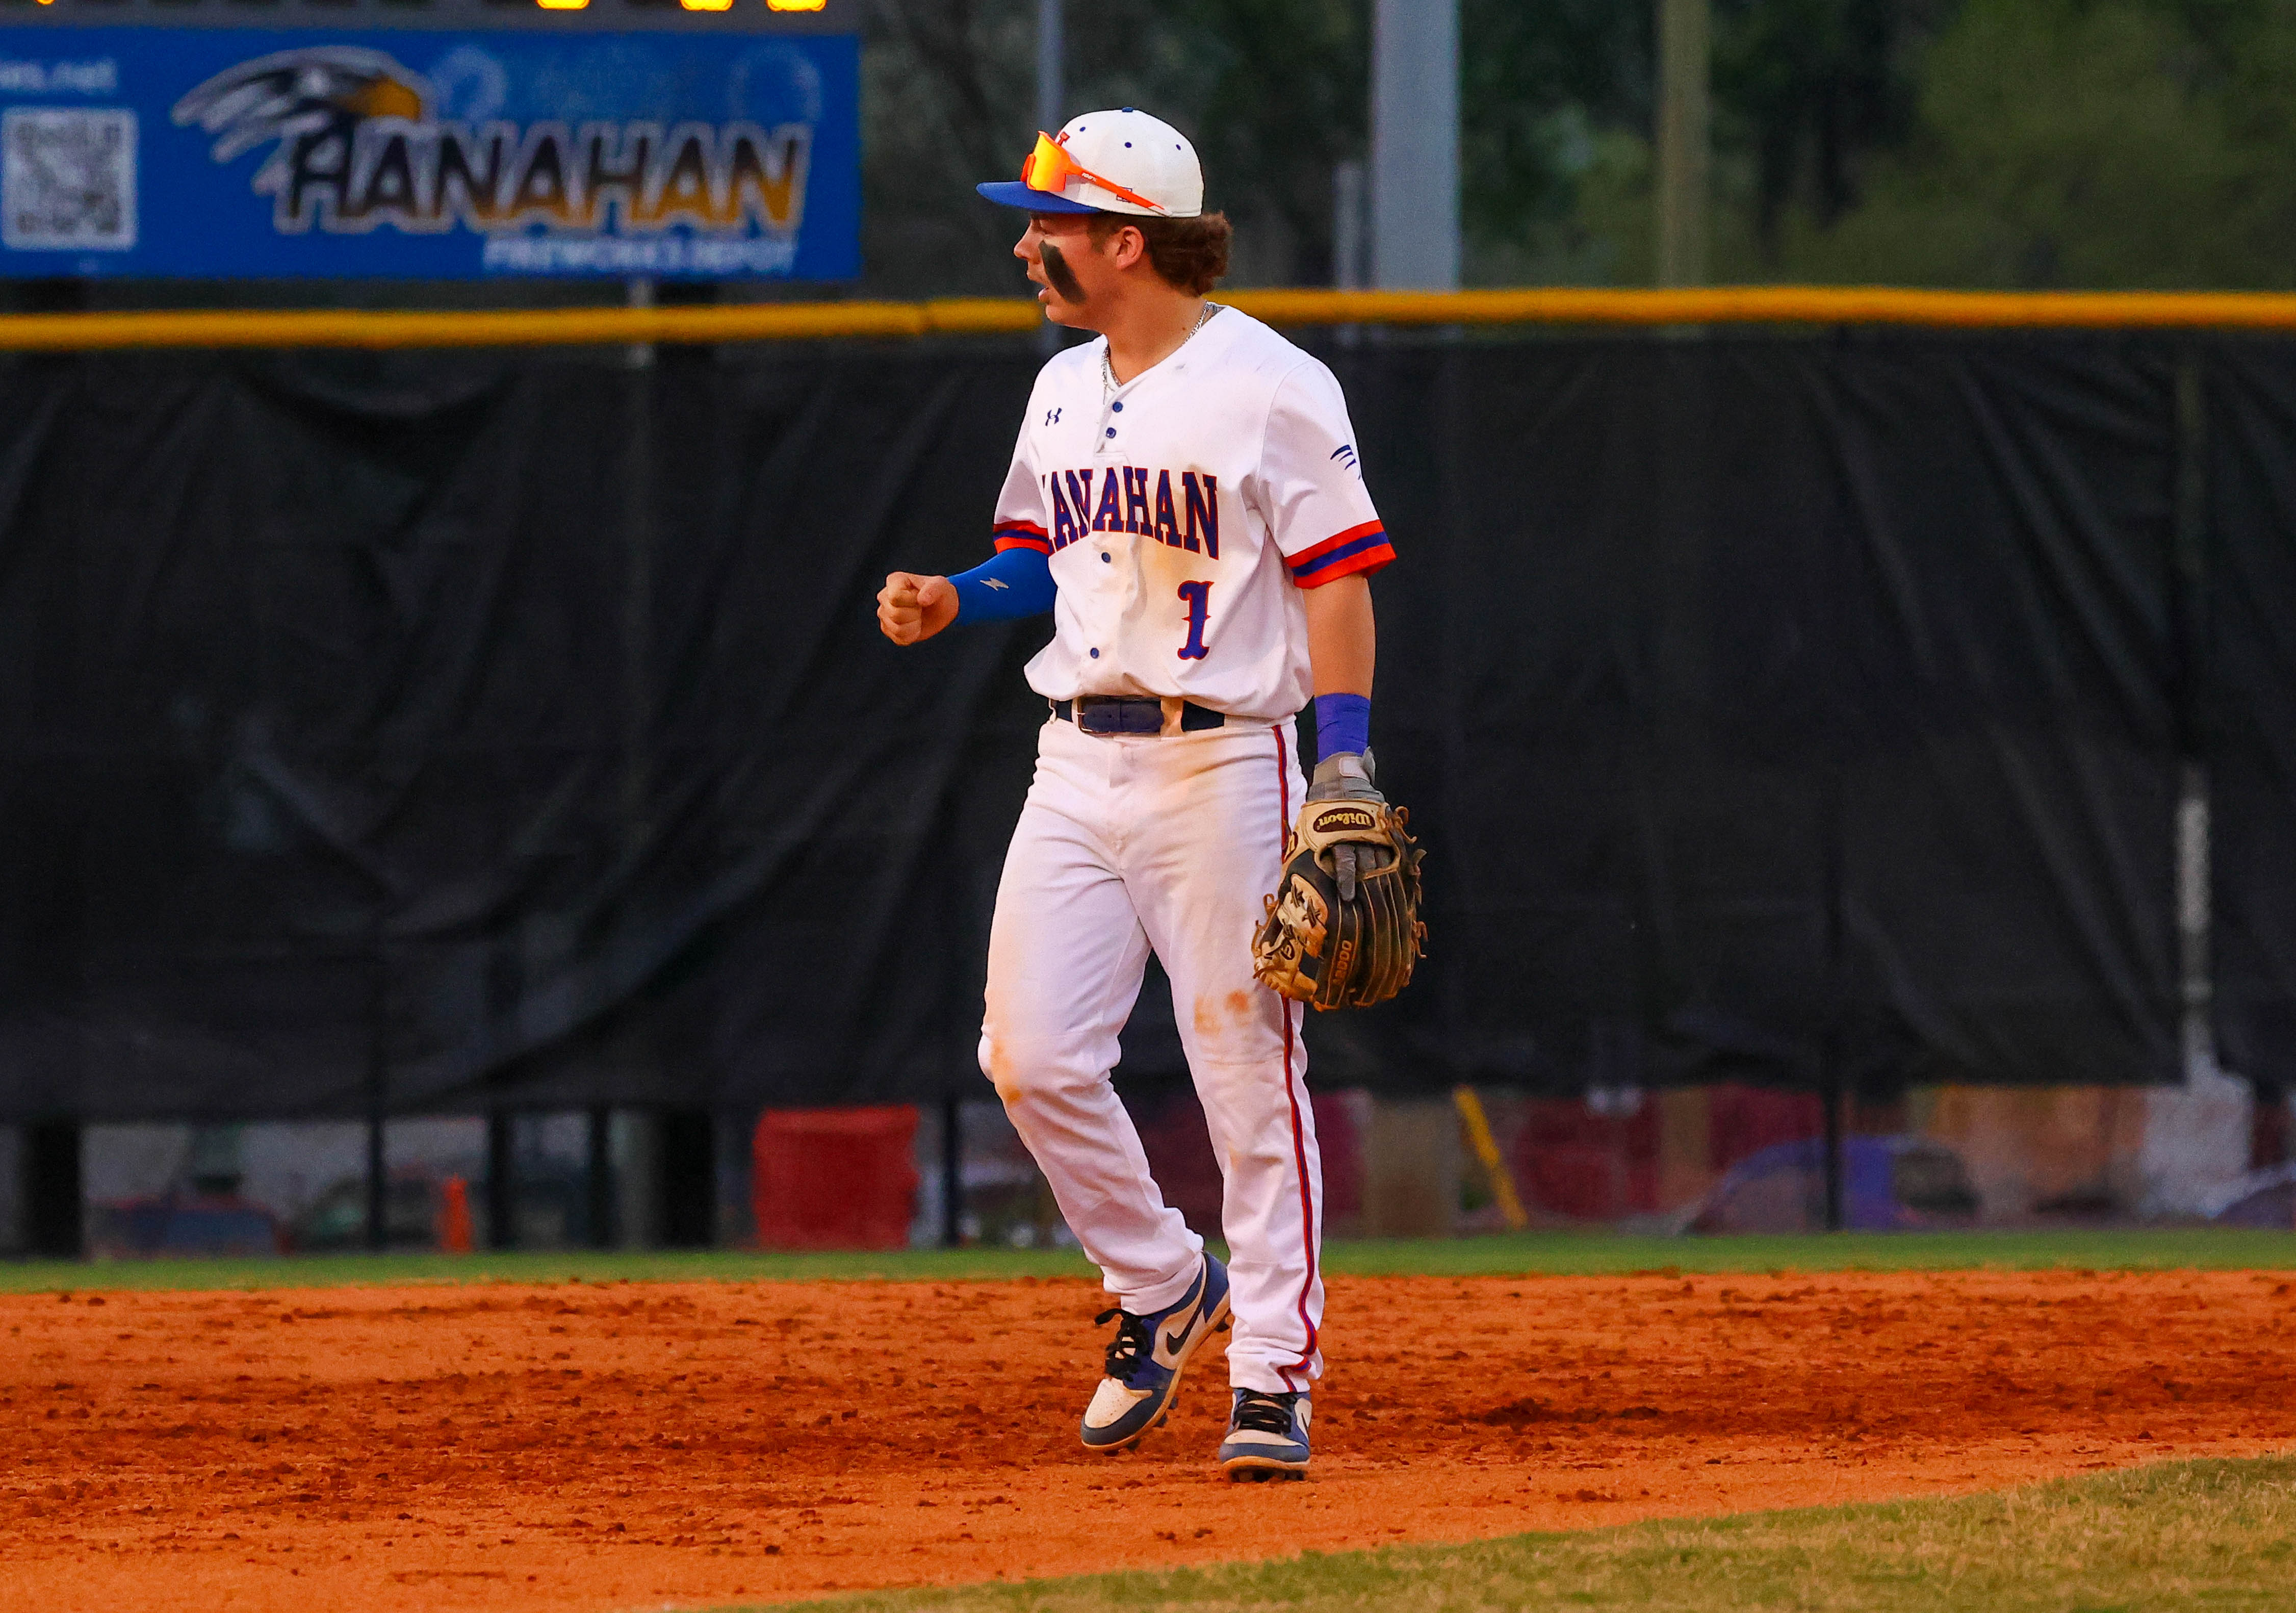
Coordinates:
<point>1117,162</point>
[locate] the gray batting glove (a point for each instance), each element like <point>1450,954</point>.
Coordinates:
<point>1346,777</point>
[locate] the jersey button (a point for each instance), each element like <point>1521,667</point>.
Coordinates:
<point>1103,556</point>
<point>1111,431</point>
<point>1096,654</point>
<point>1118,407</point>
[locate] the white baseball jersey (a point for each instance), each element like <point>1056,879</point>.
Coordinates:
<point>1183,511</point>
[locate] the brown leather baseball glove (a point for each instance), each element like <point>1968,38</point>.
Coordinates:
<point>1342,929</point>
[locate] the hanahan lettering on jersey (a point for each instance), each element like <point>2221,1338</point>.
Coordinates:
<point>359,145</point>
<point>1177,508</point>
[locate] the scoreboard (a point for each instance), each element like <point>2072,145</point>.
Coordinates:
<point>429,139</point>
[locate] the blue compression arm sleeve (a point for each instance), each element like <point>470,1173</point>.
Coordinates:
<point>1018,583</point>
<point>1343,725</point>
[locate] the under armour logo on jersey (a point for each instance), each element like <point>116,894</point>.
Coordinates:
<point>1345,454</point>
<point>1052,416</point>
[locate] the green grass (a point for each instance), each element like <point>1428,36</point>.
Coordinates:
<point>2213,1534</point>
<point>1558,1254</point>
<point>586,1265</point>
<point>1594,1254</point>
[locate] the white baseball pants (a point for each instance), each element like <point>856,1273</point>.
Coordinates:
<point>1170,842</point>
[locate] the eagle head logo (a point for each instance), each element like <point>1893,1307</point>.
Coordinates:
<point>299,95</point>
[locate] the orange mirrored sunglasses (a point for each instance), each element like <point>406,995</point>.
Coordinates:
<point>1049,166</point>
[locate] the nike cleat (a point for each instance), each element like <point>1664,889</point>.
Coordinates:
<point>1266,1437</point>
<point>1147,1358</point>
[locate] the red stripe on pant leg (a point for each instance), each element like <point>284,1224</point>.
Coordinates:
<point>1291,1095</point>
<point>1306,1205</point>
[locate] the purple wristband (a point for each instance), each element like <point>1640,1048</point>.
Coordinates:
<point>1343,725</point>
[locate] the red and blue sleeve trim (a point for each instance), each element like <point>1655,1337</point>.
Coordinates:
<point>1022,535</point>
<point>1361,548</point>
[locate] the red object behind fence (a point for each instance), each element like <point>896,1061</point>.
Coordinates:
<point>1746,1120</point>
<point>455,1230</point>
<point>1574,1162</point>
<point>834,1178</point>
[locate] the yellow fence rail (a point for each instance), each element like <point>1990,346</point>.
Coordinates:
<point>981,315</point>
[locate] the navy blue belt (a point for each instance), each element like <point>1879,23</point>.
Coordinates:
<point>1127,714</point>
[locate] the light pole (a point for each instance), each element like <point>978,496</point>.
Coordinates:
<point>1415,145</point>
<point>1685,119</point>
<point>1052,65</point>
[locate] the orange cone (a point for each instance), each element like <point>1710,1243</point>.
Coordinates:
<point>455,1217</point>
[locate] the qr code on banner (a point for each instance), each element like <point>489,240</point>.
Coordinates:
<point>68,179</point>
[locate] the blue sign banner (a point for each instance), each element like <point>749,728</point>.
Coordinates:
<point>241,153</point>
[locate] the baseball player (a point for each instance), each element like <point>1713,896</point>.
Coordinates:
<point>1184,499</point>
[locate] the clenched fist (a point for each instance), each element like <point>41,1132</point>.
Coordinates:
<point>911,608</point>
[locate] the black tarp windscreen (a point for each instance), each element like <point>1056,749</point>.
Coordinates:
<point>1770,688</point>
<point>516,730</point>
<point>2250,712</point>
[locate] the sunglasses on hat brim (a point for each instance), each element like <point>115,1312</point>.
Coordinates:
<point>1049,168</point>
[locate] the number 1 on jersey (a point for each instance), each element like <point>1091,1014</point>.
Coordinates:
<point>1199,598</point>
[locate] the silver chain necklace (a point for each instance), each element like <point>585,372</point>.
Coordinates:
<point>1108,363</point>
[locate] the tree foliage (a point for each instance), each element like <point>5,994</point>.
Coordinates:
<point>1274,93</point>
<point>2085,143</point>
<point>1536,83</point>
<point>1945,141</point>
<point>948,98</point>
<point>1815,88</point>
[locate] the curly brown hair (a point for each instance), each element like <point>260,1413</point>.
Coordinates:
<point>1188,254</point>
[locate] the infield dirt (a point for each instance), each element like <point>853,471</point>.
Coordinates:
<point>592,1448</point>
